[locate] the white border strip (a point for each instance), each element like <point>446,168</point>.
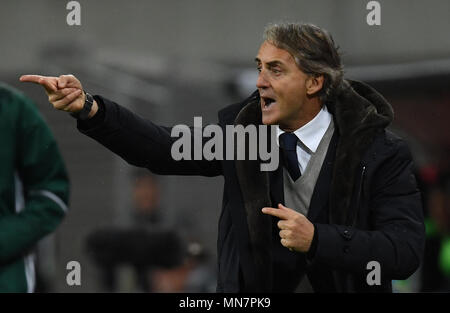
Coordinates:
<point>18,194</point>
<point>51,196</point>
<point>30,273</point>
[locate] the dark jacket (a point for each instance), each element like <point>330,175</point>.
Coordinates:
<point>365,206</point>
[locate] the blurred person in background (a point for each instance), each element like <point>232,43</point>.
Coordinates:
<point>34,188</point>
<point>195,274</point>
<point>146,209</point>
<point>347,183</point>
<point>435,273</point>
<point>148,243</point>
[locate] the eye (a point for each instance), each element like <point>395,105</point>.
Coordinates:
<point>276,70</point>
<point>258,69</point>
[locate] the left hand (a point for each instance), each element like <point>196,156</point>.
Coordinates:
<point>296,231</point>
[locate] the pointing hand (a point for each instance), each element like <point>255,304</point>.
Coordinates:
<point>65,92</point>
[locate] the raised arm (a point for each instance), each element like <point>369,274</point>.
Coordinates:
<point>138,141</point>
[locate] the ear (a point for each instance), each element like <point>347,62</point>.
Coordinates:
<point>314,84</point>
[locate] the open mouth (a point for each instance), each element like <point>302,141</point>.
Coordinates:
<point>267,101</point>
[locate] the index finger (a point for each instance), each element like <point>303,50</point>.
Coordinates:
<point>276,212</point>
<point>49,83</point>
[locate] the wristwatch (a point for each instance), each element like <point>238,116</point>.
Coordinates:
<point>84,112</point>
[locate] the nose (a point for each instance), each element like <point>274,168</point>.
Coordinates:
<point>262,81</point>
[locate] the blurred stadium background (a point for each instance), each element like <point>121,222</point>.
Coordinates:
<point>172,60</point>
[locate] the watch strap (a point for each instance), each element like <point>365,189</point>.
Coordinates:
<point>84,112</point>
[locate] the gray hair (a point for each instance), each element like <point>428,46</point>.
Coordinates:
<point>314,52</point>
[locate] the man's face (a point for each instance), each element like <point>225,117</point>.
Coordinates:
<point>282,87</point>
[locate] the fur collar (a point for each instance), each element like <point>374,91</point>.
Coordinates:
<point>360,112</point>
<point>255,187</point>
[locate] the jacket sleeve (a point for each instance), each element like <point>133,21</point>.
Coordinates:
<point>142,143</point>
<point>41,185</point>
<point>397,238</point>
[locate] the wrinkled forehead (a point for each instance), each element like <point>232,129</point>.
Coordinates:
<point>269,53</point>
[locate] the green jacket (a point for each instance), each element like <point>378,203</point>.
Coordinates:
<point>34,188</point>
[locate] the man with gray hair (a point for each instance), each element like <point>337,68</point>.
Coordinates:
<point>344,197</point>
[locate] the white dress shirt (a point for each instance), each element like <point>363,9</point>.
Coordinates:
<point>309,136</point>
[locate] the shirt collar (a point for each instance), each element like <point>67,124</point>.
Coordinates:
<point>312,132</point>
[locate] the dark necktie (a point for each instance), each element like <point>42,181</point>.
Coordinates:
<point>288,144</point>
